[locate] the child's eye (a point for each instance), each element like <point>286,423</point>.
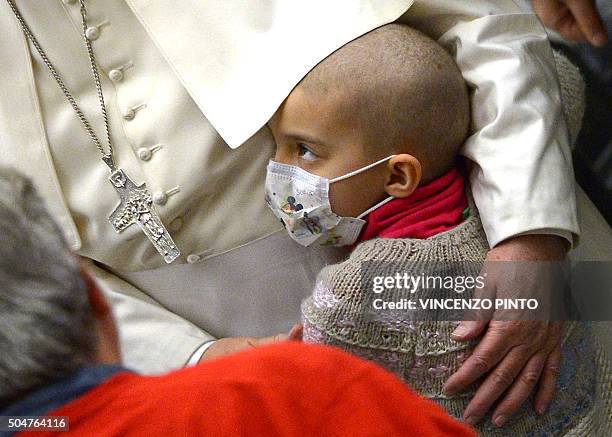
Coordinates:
<point>305,153</point>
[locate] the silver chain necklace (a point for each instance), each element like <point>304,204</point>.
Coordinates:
<point>136,204</point>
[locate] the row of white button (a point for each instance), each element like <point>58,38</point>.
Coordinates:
<point>146,153</point>
<point>197,257</point>
<point>92,33</point>
<point>115,75</point>
<point>130,113</point>
<point>161,197</point>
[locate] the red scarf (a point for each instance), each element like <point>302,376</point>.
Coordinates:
<point>431,209</point>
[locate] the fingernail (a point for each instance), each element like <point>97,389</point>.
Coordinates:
<point>499,420</point>
<point>599,39</point>
<point>541,409</point>
<point>471,420</point>
<point>460,331</point>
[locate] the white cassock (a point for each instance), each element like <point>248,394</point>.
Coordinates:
<point>190,84</point>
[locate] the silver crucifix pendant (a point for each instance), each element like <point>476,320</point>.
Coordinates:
<point>136,206</point>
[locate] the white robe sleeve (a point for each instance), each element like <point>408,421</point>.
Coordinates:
<point>520,160</point>
<point>521,173</point>
<point>152,339</point>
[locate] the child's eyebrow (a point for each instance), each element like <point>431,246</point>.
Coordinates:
<point>307,138</point>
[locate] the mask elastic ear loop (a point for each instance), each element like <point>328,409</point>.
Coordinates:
<point>378,205</point>
<point>359,170</point>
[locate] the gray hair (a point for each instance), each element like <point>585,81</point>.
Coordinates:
<point>46,322</point>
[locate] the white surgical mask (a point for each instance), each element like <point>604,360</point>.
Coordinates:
<point>301,200</point>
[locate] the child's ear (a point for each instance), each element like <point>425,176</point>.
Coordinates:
<point>404,177</point>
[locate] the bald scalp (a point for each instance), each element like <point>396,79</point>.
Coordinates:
<point>402,90</point>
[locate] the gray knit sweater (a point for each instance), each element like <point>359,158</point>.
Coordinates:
<point>422,353</point>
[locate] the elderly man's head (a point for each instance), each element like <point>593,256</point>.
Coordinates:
<point>53,319</point>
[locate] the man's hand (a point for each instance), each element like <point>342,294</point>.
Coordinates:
<point>575,20</point>
<point>226,346</point>
<point>514,355</point>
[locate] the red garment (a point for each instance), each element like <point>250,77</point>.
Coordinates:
<point>286,389</point>
<point>431,209</point>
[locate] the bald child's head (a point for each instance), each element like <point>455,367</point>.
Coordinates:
<point>391,91</point>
